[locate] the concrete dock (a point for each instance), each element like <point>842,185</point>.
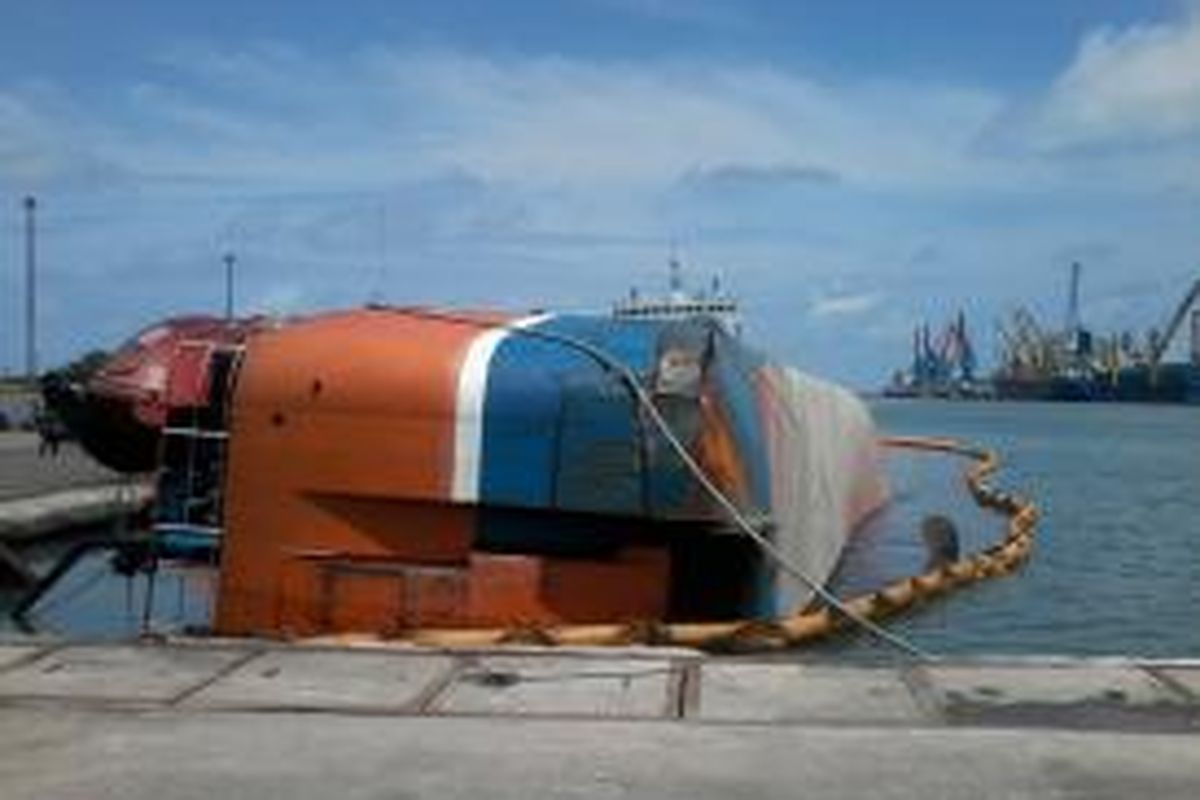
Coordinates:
<point>44,495</point>
<point>250,719</point>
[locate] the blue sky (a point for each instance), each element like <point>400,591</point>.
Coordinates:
<point>849,168</point>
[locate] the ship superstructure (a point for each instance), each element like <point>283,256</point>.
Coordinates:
<point>680,303</point>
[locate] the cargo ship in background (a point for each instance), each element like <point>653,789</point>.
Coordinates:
<point>1071,364</point>
<point>383,469</point>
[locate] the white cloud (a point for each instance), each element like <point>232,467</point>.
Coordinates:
<point>708,13</point>
<point>505,179</point>
<point>45,142</point>
<point>270,113</point>
<point>278,300</point>
<point>737,177</point>
<point>603,124</point>
<point>1139,85</point>
<point>845,305</point>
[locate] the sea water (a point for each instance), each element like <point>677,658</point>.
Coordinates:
<point>1115,568</point>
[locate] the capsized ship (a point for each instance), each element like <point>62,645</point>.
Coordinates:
<point>384,469</point>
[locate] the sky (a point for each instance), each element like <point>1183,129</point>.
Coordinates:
<point>848,169</point>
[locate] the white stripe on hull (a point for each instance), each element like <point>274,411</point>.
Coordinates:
<point>468,410</point>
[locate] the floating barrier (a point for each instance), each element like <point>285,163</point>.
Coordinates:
<point>805,626</point>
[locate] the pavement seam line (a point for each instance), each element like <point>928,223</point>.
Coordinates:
<point>685,688</point>
<point>207,681</point>
<point>1173,686</point>
<point>426,701</point>
<point>29,658</point>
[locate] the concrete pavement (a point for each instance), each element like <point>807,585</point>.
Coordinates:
<point>245,719</point>
<point>24,474</point>
<point>161,755</point>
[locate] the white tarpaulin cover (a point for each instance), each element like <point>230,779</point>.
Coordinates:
<point>827,473</point>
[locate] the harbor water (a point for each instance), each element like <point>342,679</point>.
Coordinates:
<point>1116,564</point>
<point>1115,569</point>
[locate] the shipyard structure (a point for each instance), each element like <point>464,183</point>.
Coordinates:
<point>1073,363</point>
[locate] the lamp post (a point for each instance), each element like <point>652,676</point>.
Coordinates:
<point>31,366</point>
<point>229,260</point>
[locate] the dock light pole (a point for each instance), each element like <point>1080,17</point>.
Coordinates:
<point>31,366</point>
<point>230,259</point>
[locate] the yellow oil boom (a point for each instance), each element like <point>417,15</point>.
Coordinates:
<point>806,625</point>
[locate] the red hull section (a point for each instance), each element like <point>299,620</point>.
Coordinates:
<point>119,415</point>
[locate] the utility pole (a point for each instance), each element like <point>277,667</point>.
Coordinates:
<point>31,366</point>
<point>1073,321</point>
<point>229,260</point>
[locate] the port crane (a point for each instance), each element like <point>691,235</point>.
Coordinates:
<point>942,366</point>
<point>1028,348</point>
<point>1163,342</point>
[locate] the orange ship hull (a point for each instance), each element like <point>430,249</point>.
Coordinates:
<point>386,469</point>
